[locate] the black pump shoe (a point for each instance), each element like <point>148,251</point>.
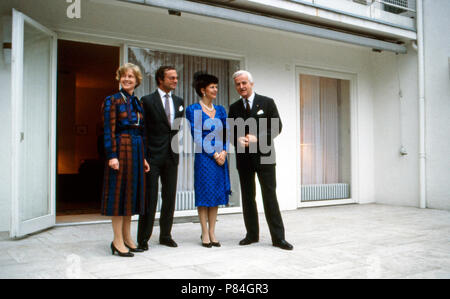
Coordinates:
<point>216,244</point>
<point>134,249</point>
<point>207,245</point>
<point>123,254</point>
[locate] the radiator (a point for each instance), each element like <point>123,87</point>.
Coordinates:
<point>185,200</point>
<point>325,192</point>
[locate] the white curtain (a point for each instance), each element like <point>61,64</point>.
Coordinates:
<point>186,65</point>
<point>319,100</point>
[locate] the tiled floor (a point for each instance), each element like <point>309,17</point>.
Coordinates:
<point>351,241</point>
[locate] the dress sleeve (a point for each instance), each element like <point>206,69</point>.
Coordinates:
<point>109,125</point>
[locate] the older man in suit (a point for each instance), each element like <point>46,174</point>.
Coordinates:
<point>161,108</point>
<point>255,157</point>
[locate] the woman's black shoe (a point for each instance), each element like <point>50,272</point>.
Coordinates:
<point>134,249</point>
<point>216,244</point>
<point>207,245</point>
<point>114,250</point>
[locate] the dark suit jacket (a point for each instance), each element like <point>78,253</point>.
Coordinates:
<point>263,108</point>
<point>157,129</point>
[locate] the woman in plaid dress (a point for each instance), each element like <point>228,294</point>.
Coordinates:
<point>123,186</point>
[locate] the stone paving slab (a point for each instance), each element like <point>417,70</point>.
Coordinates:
<point>348,241</point>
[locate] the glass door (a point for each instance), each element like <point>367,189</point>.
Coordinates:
<point>33,126</point>
<point>325,138</point>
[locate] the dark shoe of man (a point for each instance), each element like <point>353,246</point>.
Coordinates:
<point>248,241</point>
<point>168,242</point>
<point>283,244</point>
<point>143,246</point>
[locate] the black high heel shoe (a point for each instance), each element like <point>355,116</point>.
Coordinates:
<point>123,254</point>
<point>134,249</point>
<point>207,245</point>
<point>216,244</point>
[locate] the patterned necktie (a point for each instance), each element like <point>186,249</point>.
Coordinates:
<point>247,107</point>
<point>167,107</point>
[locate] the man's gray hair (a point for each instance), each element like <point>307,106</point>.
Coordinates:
<point>242,72</point>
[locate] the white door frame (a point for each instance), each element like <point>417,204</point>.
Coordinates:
<point>20,228</point>
<point>336,74</point>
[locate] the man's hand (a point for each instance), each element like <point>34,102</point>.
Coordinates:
<point>242,141</point>
<point>251,139</point>
<point>146,166</point>
<point>245,141</point>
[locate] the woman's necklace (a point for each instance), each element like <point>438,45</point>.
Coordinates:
<point>206,107</point>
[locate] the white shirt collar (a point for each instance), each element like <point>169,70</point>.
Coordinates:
<point>162,93</point>
<point>250,99</point>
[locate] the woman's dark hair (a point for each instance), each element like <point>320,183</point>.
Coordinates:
<point>202,80</point>
<point>161,72</point>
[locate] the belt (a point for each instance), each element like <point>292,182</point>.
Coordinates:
<point>130,129</point>
<point>133,127</point>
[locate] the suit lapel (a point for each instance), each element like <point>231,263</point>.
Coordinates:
<point>242,108</point>
<point>177,103</point>
<point>256,105</point>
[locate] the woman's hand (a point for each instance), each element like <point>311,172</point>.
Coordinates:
<point>146,166</point>
<point>114,163</point>
<point>220,158</point>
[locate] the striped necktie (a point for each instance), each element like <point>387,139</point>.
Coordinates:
<point>247,107</point>
<point>167,107</point>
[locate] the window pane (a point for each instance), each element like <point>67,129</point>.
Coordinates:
<point>325,138</point>
<point>34,149</point>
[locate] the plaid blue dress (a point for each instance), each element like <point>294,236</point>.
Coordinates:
<point>123,189</point>
<point>211,181</point>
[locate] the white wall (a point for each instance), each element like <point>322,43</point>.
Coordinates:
<point>396,125</point>
<point>397,120</point>
<point>437,101</point>
<point>5,136</point>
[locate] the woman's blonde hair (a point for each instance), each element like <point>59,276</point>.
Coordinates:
<point>129,66</point>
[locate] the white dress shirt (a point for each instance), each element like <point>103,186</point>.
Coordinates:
<point>250,100</point>
<point>163,100</point>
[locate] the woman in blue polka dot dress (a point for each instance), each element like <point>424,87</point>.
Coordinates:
<point>211,174</point>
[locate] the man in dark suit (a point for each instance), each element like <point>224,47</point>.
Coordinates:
<point>161,108</point>
<point>255,155</point>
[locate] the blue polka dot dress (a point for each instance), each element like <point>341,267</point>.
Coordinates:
<point>211,181</point>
